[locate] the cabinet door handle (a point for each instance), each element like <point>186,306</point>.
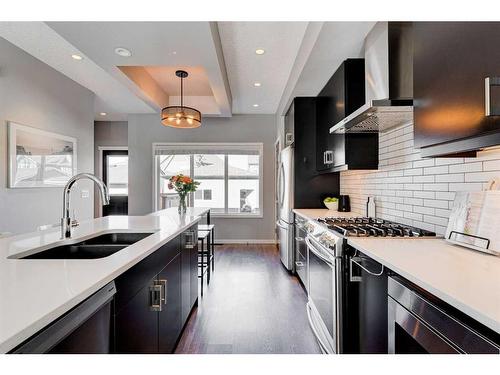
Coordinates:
<point>324,157</point>
<point>299,264</point>
<point>155,292</point>
<point>190,240</point>
<point>329,157</point>
<point>164,284</point>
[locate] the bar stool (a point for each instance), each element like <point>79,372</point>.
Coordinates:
<point>210,228</point>
<point>203,257</point>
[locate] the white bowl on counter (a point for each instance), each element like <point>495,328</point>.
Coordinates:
<point>334,206</point>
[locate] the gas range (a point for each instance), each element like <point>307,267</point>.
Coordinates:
<point>371,227</point>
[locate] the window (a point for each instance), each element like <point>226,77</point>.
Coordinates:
<point>230,176</point>
<point>117,174</point>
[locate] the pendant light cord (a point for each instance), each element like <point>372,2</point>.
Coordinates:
<point>182,92</point>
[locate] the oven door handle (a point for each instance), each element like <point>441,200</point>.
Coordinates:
<point>319,254</point>
<point>323,347</point>
<point>417,329</point>
<point>356,261</point>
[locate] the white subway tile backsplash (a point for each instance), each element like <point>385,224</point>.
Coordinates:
<point>466,167</point>
<point>436,170</point>
<point>416,191</point>
<point>435,203</point>
<point>481,176</point>
<point>453,177</point>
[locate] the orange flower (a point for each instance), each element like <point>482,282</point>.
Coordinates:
<point>186,180</point>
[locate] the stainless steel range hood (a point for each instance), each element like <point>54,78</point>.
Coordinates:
<point>389,81</point>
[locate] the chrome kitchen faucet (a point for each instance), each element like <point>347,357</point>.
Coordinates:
<point>66,219</point>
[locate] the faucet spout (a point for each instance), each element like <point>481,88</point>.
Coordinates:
<point>66,219</point>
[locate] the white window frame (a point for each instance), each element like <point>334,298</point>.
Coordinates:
<point>199,147</point>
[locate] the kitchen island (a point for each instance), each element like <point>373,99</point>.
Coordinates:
<point>35,292</point>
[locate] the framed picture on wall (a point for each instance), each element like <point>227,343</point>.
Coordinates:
<point>38,158</point>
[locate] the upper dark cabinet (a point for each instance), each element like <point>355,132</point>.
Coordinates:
<point>343,94</point>
<point>450,64</point>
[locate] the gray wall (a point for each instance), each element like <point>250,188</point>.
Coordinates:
<point>107,133</point>
<point>143,130</point>
<point>33,94</point>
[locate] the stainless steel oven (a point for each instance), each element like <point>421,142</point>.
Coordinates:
<point>324,273</point>
<point>416,325</point>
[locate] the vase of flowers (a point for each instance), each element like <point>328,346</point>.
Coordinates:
<point>183,185</point>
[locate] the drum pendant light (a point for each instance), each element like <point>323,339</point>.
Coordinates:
<point>180,116</point>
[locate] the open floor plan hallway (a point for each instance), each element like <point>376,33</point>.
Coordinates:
<point>252,305</point>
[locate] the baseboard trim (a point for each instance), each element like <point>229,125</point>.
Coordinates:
<point>250,241</point>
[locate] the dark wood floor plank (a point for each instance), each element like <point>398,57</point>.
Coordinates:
<point>252,306</point>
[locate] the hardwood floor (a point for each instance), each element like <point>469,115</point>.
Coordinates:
<point>252,305</point>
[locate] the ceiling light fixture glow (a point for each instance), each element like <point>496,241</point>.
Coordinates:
<point>121,51</point>
<point>255,105</point>
<point>259,51</point>
<point>181,116</point>
<point>103,113</point>
<point>77,57</point>
<point>257,84</point>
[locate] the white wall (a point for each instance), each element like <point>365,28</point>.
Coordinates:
<point>33,94</point>
<point>412,190</point>
<point>143,130</point>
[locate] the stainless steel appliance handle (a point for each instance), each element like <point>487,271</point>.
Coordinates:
<point>440,322</point>
<point>355,261</point>
<point>278,223</point>
<point>281,186</point>
<point>418,330</point>
<point>318,253</point>
<point>315,332</point>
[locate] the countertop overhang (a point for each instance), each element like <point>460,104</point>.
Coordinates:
<point>467,280</point>
<point>35,292</point>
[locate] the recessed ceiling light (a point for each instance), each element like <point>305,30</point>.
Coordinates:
<point>255,105</point>
<point>103,113</point>
<point>77,57</point>
<point>123,52</point>
<point>259,51</point>
<point>174,53</point>
<point>257,84</point>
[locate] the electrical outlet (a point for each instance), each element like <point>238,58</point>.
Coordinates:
<point>85,193</point>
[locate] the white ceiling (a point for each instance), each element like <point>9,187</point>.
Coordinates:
<point>281,42</point>
<point>298,60</point>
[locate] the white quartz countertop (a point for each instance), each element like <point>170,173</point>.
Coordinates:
<point>35,292</point>
<point>467,280</point>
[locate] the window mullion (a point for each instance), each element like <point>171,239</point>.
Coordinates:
<point>191,172</point>
<point>226,184</point>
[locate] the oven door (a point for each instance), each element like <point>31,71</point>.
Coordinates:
<point>321,306</point>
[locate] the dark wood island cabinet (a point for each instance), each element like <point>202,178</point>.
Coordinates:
<point>155,297</point>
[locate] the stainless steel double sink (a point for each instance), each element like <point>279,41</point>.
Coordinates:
<point>97,247</point>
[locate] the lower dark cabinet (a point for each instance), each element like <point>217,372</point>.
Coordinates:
<point>151,308</point>
<point>136,325</point>
<point>169,318</point>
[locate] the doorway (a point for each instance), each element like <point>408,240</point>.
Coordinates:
<point>115,176</point>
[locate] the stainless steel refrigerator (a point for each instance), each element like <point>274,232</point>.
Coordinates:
<point>285,206</point>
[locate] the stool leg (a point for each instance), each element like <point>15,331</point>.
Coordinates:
<point>208,258</point>
<point>213,249</point>
<point>202,247</point>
